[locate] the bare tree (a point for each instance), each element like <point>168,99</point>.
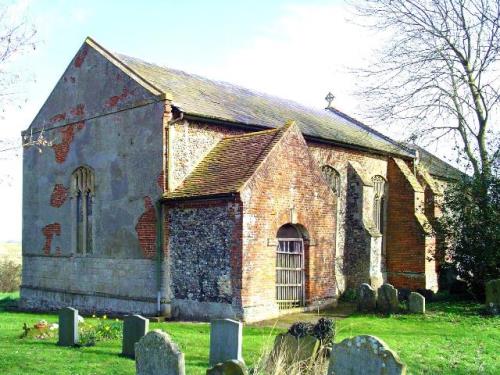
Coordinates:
<point>438,74</point>
<point>17,37</point>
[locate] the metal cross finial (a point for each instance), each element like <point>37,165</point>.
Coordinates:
<point>329,98</point>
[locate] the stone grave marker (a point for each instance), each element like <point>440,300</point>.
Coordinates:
<point>68,327</point>
<point>416,303</point>
<point>292,349</point>
<point>134,328</point>
<point>226,337</point>
<point>362,355</point>
<point>157,354</point>
<point>387,299</point>
<point>492,289</point>
<point>232,367</point>
<point>367,298</point>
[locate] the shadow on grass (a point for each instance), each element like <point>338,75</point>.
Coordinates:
<point>9,301</point>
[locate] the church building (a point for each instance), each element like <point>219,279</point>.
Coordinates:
<point>165,193</point>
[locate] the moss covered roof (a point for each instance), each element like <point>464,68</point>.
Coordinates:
<point>228,165</point>
<point>199,96</point>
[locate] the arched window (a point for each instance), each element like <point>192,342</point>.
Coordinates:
<point>83,196</point>
<point>379,187</point>
<point>331,175</point>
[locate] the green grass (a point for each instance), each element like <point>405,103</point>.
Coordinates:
<point>453,338</point>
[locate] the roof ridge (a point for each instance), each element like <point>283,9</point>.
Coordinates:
<point>367,127</point>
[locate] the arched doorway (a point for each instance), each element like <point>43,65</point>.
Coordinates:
<point>290,268</point>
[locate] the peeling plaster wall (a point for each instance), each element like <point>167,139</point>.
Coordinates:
<point>100,118</point>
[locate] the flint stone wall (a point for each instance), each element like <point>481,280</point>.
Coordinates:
<point>201,241</point>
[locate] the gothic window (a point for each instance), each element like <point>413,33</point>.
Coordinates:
<point>332,177</point>
<point>379,187</point>
<point>83,196</point>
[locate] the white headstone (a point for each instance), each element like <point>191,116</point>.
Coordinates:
<point>226,338</point>
<point>416,303</point>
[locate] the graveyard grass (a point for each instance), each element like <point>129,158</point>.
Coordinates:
<point>453,338</point>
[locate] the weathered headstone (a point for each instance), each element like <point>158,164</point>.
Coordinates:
<point>134,328</point>
<point>226,338</point>
<point>157,354</point>
<point>492,289</point>
<point>367,298</point>
<point>289,349</point>
<point>364,355</point>
<point>68,327</point>
<point>232,367</point>
<point>387,299</point>
<point>416,303</point>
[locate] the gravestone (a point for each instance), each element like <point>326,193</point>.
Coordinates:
<point>289,349</point>
<point>416,303</point>
<point>367,298</point>
<point>362,355</point>
<point>492,289</point>
<point>232,367</point>
<point>157,354</point>
<point>134,328</point>
<point>68,327</point>
<point>226,338</point>
<point>387,299</point>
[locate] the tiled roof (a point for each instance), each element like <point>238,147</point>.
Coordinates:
<point>206,98</point>
<point>436,166</point>
<point>228,165</point>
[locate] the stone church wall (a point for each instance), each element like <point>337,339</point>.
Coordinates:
<point>190,142</point>
<point>98,117</point>
<point>355,204</point>
<point>204,252</point>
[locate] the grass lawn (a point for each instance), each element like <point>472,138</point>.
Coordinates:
<point>451,339</point>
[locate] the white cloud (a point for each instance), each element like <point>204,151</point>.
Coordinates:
<point>303,55</point>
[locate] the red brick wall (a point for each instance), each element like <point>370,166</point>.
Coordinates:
<point>146,229</point>
<point>405,246</point>
<point>59,195</point>
<point>288,178</point>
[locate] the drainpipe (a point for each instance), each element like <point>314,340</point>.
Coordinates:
<point>162,300</point>
<point>163,308</point>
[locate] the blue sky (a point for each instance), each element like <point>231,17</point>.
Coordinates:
<point>294,49</point>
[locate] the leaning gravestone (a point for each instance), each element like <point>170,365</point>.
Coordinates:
<point>232,367</point>
<point>416,303</point>
<point>364,355</point>
<point>157,354</point>
<point>367,298</point>
<point>226,338</point>
<point>387,299</point>
<point>290,349</point>
<point>134,328</point>
<point>492,289</point>
<point>68,327</point>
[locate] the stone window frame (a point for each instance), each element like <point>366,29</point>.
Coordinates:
<point>334,180</point>
<point>379,203</point>
<point>83,192</point>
